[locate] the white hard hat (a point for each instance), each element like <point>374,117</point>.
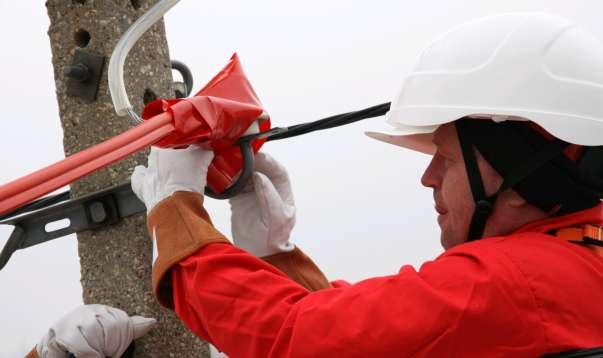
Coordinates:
<point>530,66</point>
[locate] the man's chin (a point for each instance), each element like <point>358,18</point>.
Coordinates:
<point>448,241</point>
<point>444,243</point>
<point>444,236</point>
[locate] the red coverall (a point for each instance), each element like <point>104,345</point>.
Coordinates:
<point>521,295</point>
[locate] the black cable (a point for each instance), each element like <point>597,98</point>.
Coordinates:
<point>331,122</point>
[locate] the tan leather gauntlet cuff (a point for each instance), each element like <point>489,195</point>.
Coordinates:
<point>32,354</point>
<point>300,268</point>
<point>180,226</point>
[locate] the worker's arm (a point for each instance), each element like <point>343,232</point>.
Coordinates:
<point>263,216</point>
<point>247,308</point>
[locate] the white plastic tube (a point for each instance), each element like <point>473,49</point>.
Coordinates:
<point>117,87</point>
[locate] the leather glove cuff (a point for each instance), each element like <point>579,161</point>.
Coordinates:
<point>300,268</point>
<point>180,226</point>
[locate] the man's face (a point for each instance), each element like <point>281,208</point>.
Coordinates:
<point>447,175</point>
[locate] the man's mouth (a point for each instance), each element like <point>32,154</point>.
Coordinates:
<point>440,209</point>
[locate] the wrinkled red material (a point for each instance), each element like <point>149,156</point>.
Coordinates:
<point>215,117</point>
<point>522,295</point>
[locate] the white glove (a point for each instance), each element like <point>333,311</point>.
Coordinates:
<point>171,170</point>
<point>263,215</point>
<point>93,331</point>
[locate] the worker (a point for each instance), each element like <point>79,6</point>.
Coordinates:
<point>509,108</point>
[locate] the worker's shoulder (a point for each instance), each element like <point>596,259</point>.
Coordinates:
<point>531,252</point>
<point>516,245</point>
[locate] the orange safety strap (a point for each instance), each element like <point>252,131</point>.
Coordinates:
<point>588,234</point>
<point>594,232</point>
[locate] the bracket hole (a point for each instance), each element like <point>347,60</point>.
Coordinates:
<point>148,96</point>
<point>82,38</point>
<point>79,1</point>
<point>57,225</point>
<point>136,4</point>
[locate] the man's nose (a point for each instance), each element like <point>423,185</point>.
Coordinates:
<point>431,178</point>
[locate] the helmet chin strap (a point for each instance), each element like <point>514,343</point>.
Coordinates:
<point>483,204</point>
<point>534,167</point>
<point>471,132</point>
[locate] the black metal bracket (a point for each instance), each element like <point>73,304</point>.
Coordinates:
<point>84,75</point>
<point>93,211</point>
<point>182,89</point>
<point>235,188</point>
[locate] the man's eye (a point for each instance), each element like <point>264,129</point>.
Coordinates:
<point>445,157</point>
<point>449,160</point>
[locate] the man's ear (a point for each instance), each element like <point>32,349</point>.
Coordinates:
<point>513,199</point>
<point>516,202</point>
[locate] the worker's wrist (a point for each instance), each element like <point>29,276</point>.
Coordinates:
<point>166,194</point>
<point>179,226</point>
<point>300,268</point>
<point>263,248</point>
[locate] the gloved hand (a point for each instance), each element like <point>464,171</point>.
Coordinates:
<point>263,215</point>
<point>171,170</point>
<point>93,331</point>
<point>171,187</point>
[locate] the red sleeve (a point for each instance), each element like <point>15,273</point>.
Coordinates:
<point>340,284</point>
<point>249,309</point>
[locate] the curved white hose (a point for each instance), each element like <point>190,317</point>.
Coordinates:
<point>117,87</point>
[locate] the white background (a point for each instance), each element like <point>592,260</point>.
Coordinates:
<point>361,209</point>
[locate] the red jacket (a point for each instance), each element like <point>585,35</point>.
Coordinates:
<point>521,295</point>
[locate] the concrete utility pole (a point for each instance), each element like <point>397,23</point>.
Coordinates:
<point>115,261</point>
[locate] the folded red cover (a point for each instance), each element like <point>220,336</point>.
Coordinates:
<point>217,116</point>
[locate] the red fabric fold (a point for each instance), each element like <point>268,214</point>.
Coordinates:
<point>216,117</point>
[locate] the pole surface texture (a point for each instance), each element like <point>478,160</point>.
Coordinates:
<point>116,260</point>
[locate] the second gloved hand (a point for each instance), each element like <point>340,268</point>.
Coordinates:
<point>263,215</point>
<point>93,331</point>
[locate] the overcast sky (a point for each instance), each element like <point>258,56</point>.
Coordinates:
<point>361,209</point>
